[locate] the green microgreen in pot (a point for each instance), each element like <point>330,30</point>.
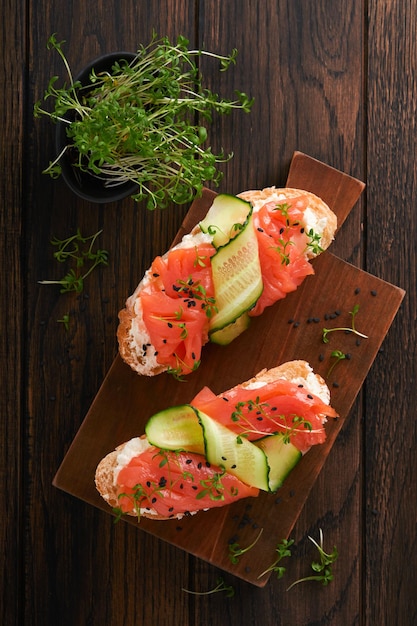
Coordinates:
<point>144,121</point>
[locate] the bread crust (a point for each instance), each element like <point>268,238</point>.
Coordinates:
<point>298,371</point>
<point>135,346</point>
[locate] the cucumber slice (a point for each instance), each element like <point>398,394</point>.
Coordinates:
<point>176,428</point>
<point>237,277</point>
<point>231,331</point>
<point>222,217</point>
<point>282,458</point>
<point>244,460</point>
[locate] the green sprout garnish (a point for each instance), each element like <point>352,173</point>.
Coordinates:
<point>79,250</point>
<point>235,551</point>
<point>323,567</point>
<point>352,329</point>
<point>220,586</point>
<point>283,550</point>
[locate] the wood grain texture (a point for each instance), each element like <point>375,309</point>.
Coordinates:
<point>391,252</point>
<point>334,79</point>
<point>12,347</point>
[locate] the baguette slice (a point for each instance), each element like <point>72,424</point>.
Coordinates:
<point>299,372</point>
<point>135,345</point>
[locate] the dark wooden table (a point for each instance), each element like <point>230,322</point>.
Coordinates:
<point>333,79</point>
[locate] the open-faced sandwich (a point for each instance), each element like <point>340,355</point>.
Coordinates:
<point>218,448</point>
<point>248,252</point>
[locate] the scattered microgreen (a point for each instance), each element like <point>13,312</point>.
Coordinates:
<point>283,550</point>
<point>314,243</point>
<point>137,496</point>
<point>352,329</point>
<point>214,487</point>
<point>79,250</point>
<point>212,230</point>
<point>194,290</point>
<point>178,371</point>
<point>235,551</point>
<point>65,321</point>
<point>281,248</point>
<point>339,356</point>
<point>284,208</point>
<point>323,567</point>
<point>263,410</point>
<point>137,122</point>
<point>220,586</point>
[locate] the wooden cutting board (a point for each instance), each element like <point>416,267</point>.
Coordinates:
<point>291,329</point>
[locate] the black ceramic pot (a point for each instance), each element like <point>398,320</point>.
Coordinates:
<point>85,185</point>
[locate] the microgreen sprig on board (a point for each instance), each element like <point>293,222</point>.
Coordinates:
<point>339,356</point>
<point>323,567</point>
<point>137,122</point>
<point>235,551</point>
<point>352,329</point>
<point>79,250</point>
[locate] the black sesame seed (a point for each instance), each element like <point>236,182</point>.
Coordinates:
<point>292,493</point>
<point>337,312</point>
<point>164,340</point>
<point>357,291</point>
<point>169,325</point>
<point>290,321</point>
<point>358,342</point>
<point>316,320</point>
<point>300,385</point>
<point>200,465</point>
<point>261,230</point>
<point>148,483</point>
<point>224,458</point>
<point>194,487</point>
<point>321,357</point>
<point>296,324</point>
<point>208,464</point>
<point>188,461</point>
<point>348,356</point>
<point>335,384</point>
<point>373,292</point>
<point>309,396</point>
<point>233,466</point>
<point>153,500</point>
